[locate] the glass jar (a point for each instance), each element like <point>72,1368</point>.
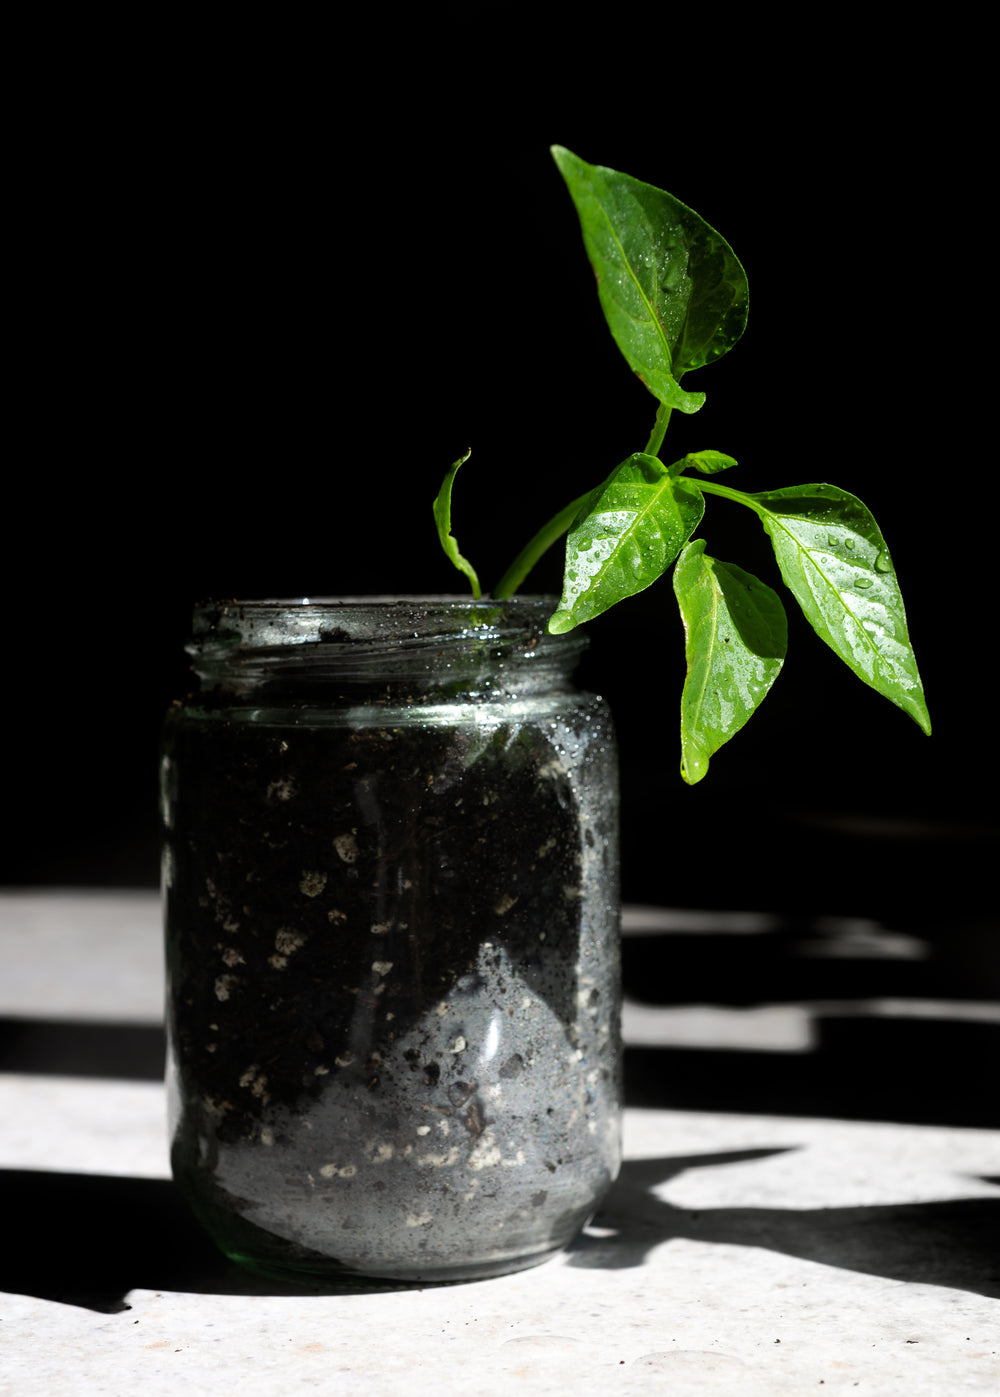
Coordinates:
<point>391,903</point>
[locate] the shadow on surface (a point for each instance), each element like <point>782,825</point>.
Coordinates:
<point>916,1071</point>
<point>131,1052</point>
<point>93,1238</point>
<point>901,1015</point>
<point>912,1071</point>
<point>954,1243</point>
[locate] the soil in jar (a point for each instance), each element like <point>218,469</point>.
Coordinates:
<point>393,975</point>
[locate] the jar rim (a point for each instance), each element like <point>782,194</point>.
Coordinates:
<point>450,600</point>
<point>327,626</point>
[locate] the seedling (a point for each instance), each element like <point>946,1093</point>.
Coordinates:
<point>675,299</point>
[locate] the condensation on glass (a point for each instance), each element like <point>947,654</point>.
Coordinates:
<point>391,903</point>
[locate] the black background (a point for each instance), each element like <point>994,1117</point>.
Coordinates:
<point>271,281</point>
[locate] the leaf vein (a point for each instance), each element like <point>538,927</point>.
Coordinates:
<point>653,316</point>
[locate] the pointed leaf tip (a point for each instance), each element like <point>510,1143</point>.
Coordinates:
<point>560,622</point>
<point>735,637</point>
<point>672,290</point>
<point>835,562</point>
<point>629,532</point>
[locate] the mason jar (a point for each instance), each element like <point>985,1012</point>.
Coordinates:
<point>391,905</point>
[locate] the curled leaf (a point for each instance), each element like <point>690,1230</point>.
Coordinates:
<point>708,462</point>
<point>442,517</point>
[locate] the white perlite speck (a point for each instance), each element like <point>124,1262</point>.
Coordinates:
<point>312,882</point>
<point>347,847</point>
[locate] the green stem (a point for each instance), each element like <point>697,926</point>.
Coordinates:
<point>559,524</point>
<point>541,543</point>
<point>727,493</point>
<point>656,436</point>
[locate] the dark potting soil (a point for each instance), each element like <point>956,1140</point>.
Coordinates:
<point>392,959</point>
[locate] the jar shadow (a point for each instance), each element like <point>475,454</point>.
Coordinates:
<point>95,1238</point>
<point>951,1242</point>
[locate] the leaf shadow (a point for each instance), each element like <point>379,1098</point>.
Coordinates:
<point>953,1242</point>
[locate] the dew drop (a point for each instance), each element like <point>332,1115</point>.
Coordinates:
<point>864,582</point>
<point>883,563</point>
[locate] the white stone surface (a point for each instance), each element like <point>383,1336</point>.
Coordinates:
<point>81,954</point>
<point>81,1126</point>
<point>760,1256</point>
<point>679,1314</point>
<point>754,1335</point>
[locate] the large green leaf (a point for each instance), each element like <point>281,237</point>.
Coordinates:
<point>626,535</point>
<point>673,293</point>
<point>735,636</point>
<point>834,560</point>
<point>442,517</point>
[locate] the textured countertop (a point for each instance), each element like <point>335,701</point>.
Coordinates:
<point>741,1251</point>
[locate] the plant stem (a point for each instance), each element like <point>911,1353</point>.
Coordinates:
<point>737,496</point>
<point>659,430</point>
<point>542,541</point>
<point>559,524</point>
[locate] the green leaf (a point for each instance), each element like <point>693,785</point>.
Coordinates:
<point>735,636</point>
<point>834,560</point>
<point>627,534</point>
<point>708,462</point>
<point>673,293</point>
<point>442,517</point>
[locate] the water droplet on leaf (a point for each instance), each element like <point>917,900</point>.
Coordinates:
<point>883,563</point>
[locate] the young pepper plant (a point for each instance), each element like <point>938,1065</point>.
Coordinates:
<point>675,298</point>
